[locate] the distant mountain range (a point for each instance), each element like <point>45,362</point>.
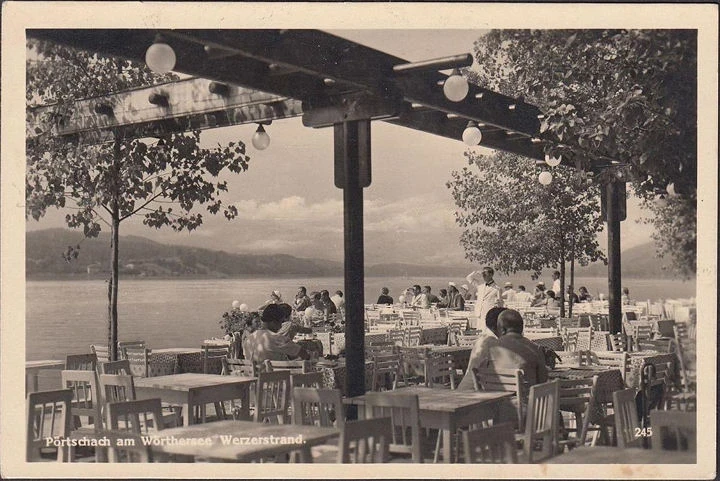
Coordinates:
<point>141,257</point>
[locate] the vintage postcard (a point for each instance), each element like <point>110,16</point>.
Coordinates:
<point>285,237</point>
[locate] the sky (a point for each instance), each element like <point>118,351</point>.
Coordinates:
<point>288,203</point>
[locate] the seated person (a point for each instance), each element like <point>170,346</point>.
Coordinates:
<point>572,297</point>
<point>419,299</point>
<point>551,301</point>
<point>275,298</point>
<point>384,298</point>
<point>479,355</point>
<point>266,343</point>
<point>625,299</point>
<point>288,327</point>
<point>455,300</point>
<point>316,312</point>
<point>328,304</point>
<point>539,296</point>
<point>515,351</point>
<point>432,298</point>
<point>584,295</point>
<point>522,295</point>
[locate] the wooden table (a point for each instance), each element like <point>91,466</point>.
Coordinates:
<point>33,368</point>
<point>615,455</point>
<point>190,389</point>
<point>242,441</point>
<point>447,410</point>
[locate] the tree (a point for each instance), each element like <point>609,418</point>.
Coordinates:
<point>164,181</point>
<point>514,223</point>
<point>623,95</point>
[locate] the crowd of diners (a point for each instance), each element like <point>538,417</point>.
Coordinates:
<point>270,332</point>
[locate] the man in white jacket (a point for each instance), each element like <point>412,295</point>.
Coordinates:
<point>488,293</point>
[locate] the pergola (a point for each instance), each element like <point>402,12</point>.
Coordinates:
<point>256,76</point>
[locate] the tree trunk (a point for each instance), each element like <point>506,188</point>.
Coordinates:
<point>114,274</point>
<point>572,278</point>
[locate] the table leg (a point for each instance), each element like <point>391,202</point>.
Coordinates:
<point>447,445</point>
<point>245,400</point>
<point>305,454</point>
<point>188,419</point>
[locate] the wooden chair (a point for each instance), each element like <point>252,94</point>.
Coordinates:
<point>396,336</point>
<point>439,370</point>
<point>491,378</point>
<point>120,387</point>
<point>272,397</point>
<point>404,412</point>
<point>492,445</point>
<point>86,401</point>
<point>366,441</point>
<point>294,367</point>
<point>133,417</point>
<point>139,358</point>
<point>540,440</point>
<point>626,418</point>
<point>387,365</point>
<point>114,367</point>
<point>660,345</point>
<point>381,348</point>
<point>577,396</point>
<point>674,430</point>
<point>615,360</point>
<point>313,379</point>
<point>102,353</point>
<point>122,345</point>
<point>641,333</point>
<point>619,342</point>
<point>48,416</point>
<point>573,358</point>
<point>413,336</point>
<point>654,382</point>
<point>80,362</point>
<point>212,352</point>
<point>318,407</point>
<point>239,367</point>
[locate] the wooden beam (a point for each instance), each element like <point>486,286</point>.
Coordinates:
<point>191,104</point>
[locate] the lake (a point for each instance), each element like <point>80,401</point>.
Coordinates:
<point>65,317</point>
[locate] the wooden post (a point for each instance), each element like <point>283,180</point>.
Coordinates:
<point>352,169</point>
<point>613,191</point>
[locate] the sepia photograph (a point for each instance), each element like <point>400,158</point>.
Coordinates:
<point>299,236</point>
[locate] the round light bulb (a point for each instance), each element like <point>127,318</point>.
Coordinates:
<point>244,307</point>
<point>472,135</point>
<point>456,87</point>
<point>401,299</point>
<point>260,139</point>
<point>553,161</point>
<point>160,57</point>
<point>235,304</point>
<point>545,178</point>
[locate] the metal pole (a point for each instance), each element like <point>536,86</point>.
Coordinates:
<point>613,192</point>
<point>352,140</point>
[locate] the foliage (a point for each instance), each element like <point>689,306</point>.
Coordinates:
<point>625,95</point>
<point>236,321</point>
<point>164,181</point>
<point>514,223</point>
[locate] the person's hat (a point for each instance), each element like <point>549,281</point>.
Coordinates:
<point>508,284</point>
<point>541,284</point>
<point>277,294</point>
<point>451,283</point>
<point>465,286</point>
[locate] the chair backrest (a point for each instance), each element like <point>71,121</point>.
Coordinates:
<point>86,400</point>
<point>396,336</point>
<point>318,407</point>
<point>574,358</point>
<point>626,418</point>
<point>404,411</point>
<point>141,416</point>
<point>122,345</point>
<point>116,388</point>
<point>466,340</point>
<point>386,365</point>
<point>366,441</point>
<point>48,416</point>
<point>80,362</point>
<point>295,366</point>
<point>617,360</point>
<point>380,348</point>
<point>491,378</point>
<point>139,358</point>
<point>541,425</point>
<point>660,345</point>
<point>127,447</point>
<point>309,379</point>
<point>414,336</point>
<point>439,370</point>
<point>239,367</point>
<point>101,351</point>
<point>578,395</point>
<point>674,430</point>
<point>114,367</point>
<point>272,397</point>
<point>211,352</point>
<point>619,342</point>
<point>492,445</point>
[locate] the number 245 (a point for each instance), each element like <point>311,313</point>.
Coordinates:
<point>643,432</point>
